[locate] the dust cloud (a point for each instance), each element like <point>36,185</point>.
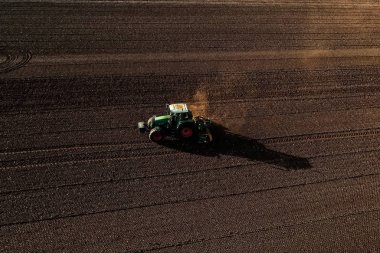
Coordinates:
<point>215,100</point>
<point>200,103</point>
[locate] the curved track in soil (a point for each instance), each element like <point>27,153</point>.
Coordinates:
<point>13,59</point>
<point>296,83</point>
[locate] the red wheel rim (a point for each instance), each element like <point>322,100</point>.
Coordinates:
<point>157,137</point>
<point>186,132</point>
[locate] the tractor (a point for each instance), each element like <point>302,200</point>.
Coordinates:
<point>177,123</point>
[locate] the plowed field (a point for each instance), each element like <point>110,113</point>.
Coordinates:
<point>296,83</point>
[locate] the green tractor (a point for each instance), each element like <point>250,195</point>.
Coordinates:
<point>178,123</point>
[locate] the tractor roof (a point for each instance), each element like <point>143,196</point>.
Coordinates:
<point>178,108</point>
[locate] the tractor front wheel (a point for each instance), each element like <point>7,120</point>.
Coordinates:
<point>156,134</point>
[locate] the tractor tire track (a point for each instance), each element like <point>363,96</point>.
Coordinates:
<point>289,195</point>
<point>38,215</point>
<point>13,60</point>
<point>65,121</point>
<point>220,244</point>
<point>364,149</point>
<point>136,148</point>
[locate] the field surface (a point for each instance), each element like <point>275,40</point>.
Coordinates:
<point>297,83</point>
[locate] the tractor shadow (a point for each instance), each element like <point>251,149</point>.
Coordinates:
<point>228,143</point>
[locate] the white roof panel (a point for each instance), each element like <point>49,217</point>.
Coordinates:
<point>178,108</point>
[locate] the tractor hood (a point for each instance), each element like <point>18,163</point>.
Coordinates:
<point>161,120</point>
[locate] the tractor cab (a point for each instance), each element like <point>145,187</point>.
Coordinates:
<point>179,113</point>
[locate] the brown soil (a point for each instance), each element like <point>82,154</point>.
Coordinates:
<point>296,85</point>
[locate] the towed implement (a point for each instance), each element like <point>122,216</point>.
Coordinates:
<point>178,123</point>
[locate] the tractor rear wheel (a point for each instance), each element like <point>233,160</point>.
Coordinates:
<point>186,131</point>
<point>156,134</point>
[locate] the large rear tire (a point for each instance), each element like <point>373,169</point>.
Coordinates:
<point>186,131</point>
<point>156,134</point>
